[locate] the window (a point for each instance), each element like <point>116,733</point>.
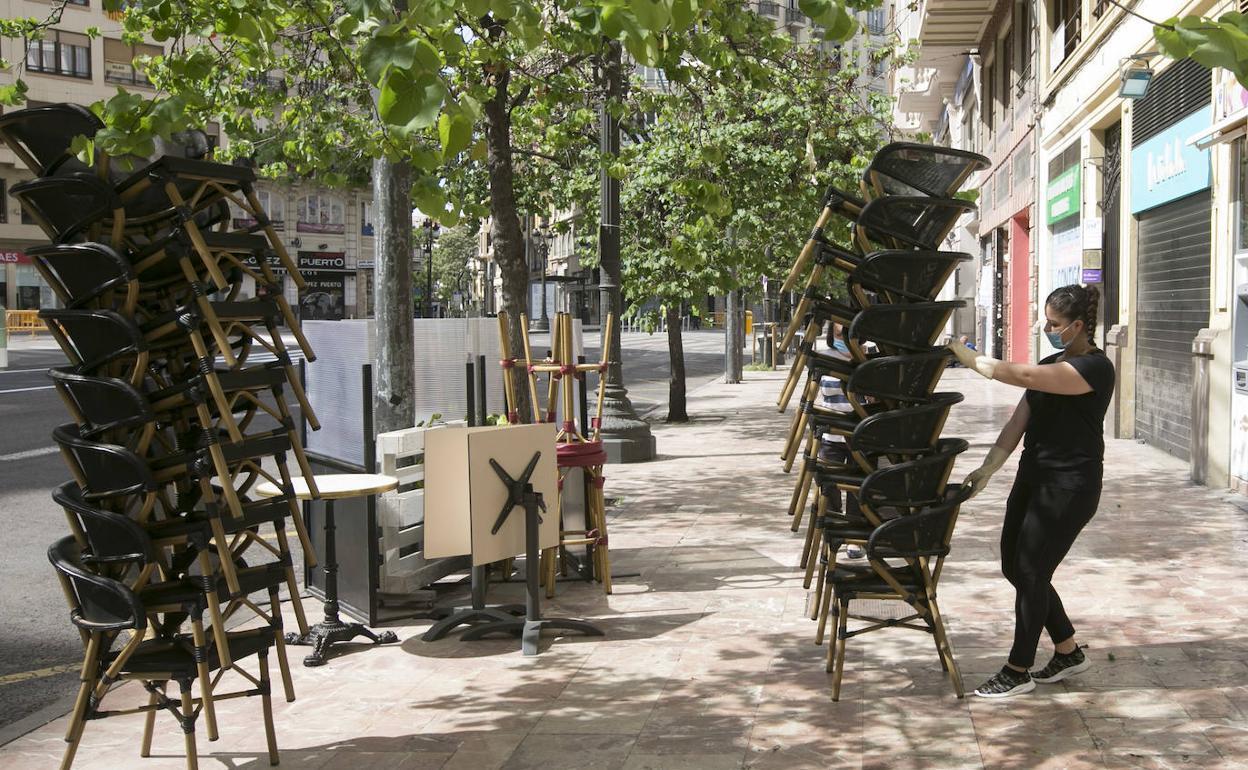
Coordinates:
<point>367,226</point>
<point>27,219</point>
<point>876,21</point>
<point>320,214</point>
<point>1006,59</point>
<point>1065,20</point>
<point>4,202</point>
<point>1241,153</point>
<point>273,204</point>
<point>119,62</point>
<point>990,97</point>
<point>60,53</point>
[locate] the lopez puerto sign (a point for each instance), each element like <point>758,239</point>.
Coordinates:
<point>1166,167</point>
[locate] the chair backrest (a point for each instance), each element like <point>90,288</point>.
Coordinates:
<point>912,483</point>
<point>41,136</point>
<point>102,404</point>
<point>917,222</point>
<point>67,207</point>
<point>910,326</point>
<point>80,274</point>
<point>96,603</point>
<point>93,339</point>
<point>111,537</point>
<point>907,168</point>
<point>908,378</point>
<point>104,470</point>
<point>910,430</point>
<point>924,534</point>
<point>917,276</point>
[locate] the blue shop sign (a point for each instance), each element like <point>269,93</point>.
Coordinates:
<point>1166,167</point>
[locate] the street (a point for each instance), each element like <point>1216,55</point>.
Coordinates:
<point>39,651</point>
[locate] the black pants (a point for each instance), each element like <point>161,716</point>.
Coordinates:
<point>1041,524</point>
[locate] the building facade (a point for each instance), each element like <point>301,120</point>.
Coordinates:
<point>328,232</point>
<point>1143,198</point>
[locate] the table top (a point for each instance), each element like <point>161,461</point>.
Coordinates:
<point>335,486</point>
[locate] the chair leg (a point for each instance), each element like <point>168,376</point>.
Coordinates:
<point>842,629</point>
<point>819,563</point>
<point>89,663</point>
<point>826,601</point>
<point>266,703</point>
<point>815,538</point>
<point>812,531</point>
<point>801,493</point>
<point>149,722</point>
<point>188,731</point>
<point>205,679</point>
<point>602,552</point>
<point>942,641</point>
<point>283,664</point>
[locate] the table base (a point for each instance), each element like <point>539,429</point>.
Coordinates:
<point>328,632</point>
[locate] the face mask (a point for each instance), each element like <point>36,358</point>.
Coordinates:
<point>1055,338</point>
<point>840,345</point>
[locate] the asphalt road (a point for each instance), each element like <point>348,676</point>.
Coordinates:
<point>35,633</point>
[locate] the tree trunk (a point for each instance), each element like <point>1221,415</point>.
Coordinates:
<point>676,406</point>
<point>505,231</point>
<point>732,348</point>
<point>394,371</point>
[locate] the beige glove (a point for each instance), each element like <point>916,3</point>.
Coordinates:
<point>972,360</point>
<point>978,478</point>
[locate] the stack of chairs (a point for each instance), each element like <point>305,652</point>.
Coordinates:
<point>886,489</point>
<point>169,552</point>
<point>578,446</point>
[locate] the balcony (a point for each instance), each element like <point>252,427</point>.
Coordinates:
<point>769,9</point>
<point>953,23</point>
<point>794,16</point>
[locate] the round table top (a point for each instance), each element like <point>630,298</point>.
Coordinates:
<point>335,486</point>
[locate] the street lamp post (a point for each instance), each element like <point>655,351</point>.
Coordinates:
<point>541,323</point>
<point>431,229</point>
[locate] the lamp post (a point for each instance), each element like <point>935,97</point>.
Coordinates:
<point>542,234</point>
<point>431,229</point>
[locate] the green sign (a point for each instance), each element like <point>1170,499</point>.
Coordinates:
<point>1063,195</point>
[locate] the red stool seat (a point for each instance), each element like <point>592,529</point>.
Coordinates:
<point>580,455</point>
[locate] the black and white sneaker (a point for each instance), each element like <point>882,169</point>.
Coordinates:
<point>1005,683</point>
<point>1062,666</point>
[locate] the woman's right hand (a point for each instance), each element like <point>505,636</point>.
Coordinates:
<point>978,478</point>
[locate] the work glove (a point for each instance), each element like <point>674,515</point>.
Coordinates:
<point>978,478</point>
<point>972,360</point>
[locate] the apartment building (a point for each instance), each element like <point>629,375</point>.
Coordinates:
<point>1101,180</point>
<point>329,232</point>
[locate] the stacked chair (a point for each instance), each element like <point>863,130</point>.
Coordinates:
<point>887,490</point>
<point>169,553</point>
<point>577,446</point>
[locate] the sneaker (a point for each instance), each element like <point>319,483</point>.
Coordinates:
<point>1005,683</point>
<point>854,552</point>
<point>1062,666</point>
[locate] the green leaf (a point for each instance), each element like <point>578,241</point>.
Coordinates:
<point>380,53</point>
<point>653,15</point>
<point>454,132</point>
<point>683,14</point>
<point>14,94</point>
<point>368,9</point>
<point>408,103</point>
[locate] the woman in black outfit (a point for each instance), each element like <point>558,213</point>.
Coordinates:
<point>1060,420</point>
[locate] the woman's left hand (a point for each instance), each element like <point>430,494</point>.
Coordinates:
<point>972,360</point>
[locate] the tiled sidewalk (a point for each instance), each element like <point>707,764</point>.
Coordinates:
<point>708,661</point>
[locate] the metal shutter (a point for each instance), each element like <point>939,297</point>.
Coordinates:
<point>1172,305</point>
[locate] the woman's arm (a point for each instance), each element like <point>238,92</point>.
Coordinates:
<point>1013,431</point>
<point>1061,378</point>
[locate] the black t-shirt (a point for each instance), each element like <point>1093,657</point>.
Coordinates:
<point>1065,440</point>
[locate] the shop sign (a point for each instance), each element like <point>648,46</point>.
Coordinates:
<point>1063,195</point>
<point>1166,167</point>
<point>14,258</point>
<point>322,260</point>
<point>365,264</point>
<point>1091,275</point>
<point>249,260</point>
<point>1093,233</point>
<point>1067,257</point>
<point>323,297</point>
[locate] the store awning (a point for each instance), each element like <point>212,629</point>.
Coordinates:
<point>1228,129</point>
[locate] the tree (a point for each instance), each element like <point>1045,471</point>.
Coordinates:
<point>453,254</point>
<point>1221,42</point>
<point>750,161</point>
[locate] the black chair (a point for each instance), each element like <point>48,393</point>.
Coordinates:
<point>41,136</point>
<point>907,168</point>
<point>103,609</point>
<point>915,541</point>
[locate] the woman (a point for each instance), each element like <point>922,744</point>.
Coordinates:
<point>1061,421</point>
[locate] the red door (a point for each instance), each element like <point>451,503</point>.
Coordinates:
<point>1018,325</point>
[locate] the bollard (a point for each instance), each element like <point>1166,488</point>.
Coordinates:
<point>4,339</point>
<point>1202,354</point>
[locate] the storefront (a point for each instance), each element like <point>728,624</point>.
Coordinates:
<point>1171,202</point>
<point>327,281</point>
<point>21,286</point>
